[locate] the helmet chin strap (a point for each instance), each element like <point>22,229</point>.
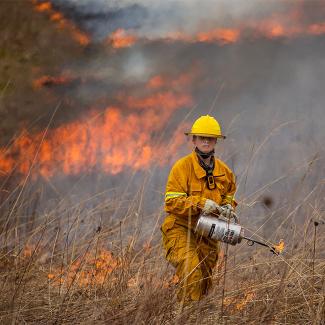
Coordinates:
<point>203,154</point>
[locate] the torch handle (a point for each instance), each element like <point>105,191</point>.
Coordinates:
<point>251,242</point>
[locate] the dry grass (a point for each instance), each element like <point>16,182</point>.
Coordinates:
<point>65,269</point>
<point>78,264</point>
<point>95,261</point>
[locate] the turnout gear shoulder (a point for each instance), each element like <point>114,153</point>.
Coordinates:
<point>187,191</point>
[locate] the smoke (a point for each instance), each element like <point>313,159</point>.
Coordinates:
<point>159,19</point>
<point>162,19</point>
<point>267,93</point>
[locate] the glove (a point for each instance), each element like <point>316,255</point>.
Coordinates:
<point>228,212</point>
<point>211,206</point>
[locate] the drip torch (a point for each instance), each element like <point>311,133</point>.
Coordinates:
<point>228,232</point>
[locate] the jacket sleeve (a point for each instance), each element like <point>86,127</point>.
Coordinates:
<point>177,198</point>
<point>229,196</point>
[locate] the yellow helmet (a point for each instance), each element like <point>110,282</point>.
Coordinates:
<point>206,126</point>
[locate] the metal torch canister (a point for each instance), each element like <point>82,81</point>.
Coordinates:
<point>219,229</point>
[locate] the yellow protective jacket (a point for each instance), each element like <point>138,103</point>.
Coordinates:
<point>186,190</point>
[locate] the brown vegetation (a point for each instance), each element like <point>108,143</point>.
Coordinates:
<point>79,264</point>
<point>61,268</point>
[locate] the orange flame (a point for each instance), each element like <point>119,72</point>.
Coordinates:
<point>56,16</point>
<point>239,303</point>
<point>278,249</point>
<point>156,82</point>
<point>62,23</point>
<point>44,6</point>
<point>247,299</point>
<point>80,37</point>
<point>219,35</point>
<point>86,270</point>
<point>46,81</point>
<point>289,24</point>
<point>276,31</point>
<point>271,29</point>
<point>317,29</point>
<point>120,39</point>
<point>111,140</point>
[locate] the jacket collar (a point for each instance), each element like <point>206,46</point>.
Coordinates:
<point>199,171</point>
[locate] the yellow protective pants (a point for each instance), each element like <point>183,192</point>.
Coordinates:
<point>193,256</point>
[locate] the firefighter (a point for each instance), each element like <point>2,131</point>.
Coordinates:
<point>197,183</point>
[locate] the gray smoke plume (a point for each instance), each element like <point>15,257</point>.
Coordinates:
<point>150,19</point>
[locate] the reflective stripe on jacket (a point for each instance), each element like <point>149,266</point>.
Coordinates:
<point>186,190</point>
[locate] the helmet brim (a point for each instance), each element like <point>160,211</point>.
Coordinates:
<point>206,135</point>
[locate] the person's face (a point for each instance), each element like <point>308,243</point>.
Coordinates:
<point>205,144</point>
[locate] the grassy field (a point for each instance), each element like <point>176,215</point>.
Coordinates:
<point>76,263</point>
<point>59,272</point>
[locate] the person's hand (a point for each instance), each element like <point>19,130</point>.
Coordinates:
<point>210,206</point>
<point>228,212</point>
